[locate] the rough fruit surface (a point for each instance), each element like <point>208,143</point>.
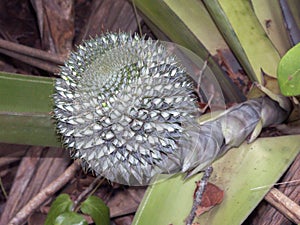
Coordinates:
<point>125,106</point>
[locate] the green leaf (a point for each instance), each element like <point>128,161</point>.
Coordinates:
<point>70,218</point>
<point>245,36</point>
<point>25,110</point>
<point>289,72</point>
<point>17,89</point>
<point>192,28</point>
<point>61,204</point>
<point>97,209</point>
<point>238,173</point>
<point>270,16</point>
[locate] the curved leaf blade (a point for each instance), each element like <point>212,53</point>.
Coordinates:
<point>237,173</point>
<point>70,218</point>
<point>25,110</point>
<point>289,72</point>
<point>97,209</point>
<point>60,205</point>
<point>271,19</point>
<point>177,22</point>
<point>245,36</point>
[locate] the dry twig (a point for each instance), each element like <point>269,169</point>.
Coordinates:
<point>35,57</point>
<point>41,197</point>
<point>199,194</point>
<point>284,204</point>
<point>89,189</point>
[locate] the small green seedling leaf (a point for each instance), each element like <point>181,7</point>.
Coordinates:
<point>288,72</point>
<point>97,209</point>
<point>70,218</point>
<point>61,204</point>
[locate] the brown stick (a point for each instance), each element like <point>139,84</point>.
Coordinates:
<point>199,195</point>
<point>41,197</point>
<point>284,204</point>
<point>86,192</point>
<point>32,52</point>
<point>50,67</point>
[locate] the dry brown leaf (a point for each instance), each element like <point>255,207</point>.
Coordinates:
<point>231,66</point>
<point>212,196</point>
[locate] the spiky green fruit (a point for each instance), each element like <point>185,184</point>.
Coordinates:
<point>123,105</point>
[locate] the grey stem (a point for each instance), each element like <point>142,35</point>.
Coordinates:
<point>199,194</point>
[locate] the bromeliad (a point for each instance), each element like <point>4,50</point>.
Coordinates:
<point>128,109</point>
